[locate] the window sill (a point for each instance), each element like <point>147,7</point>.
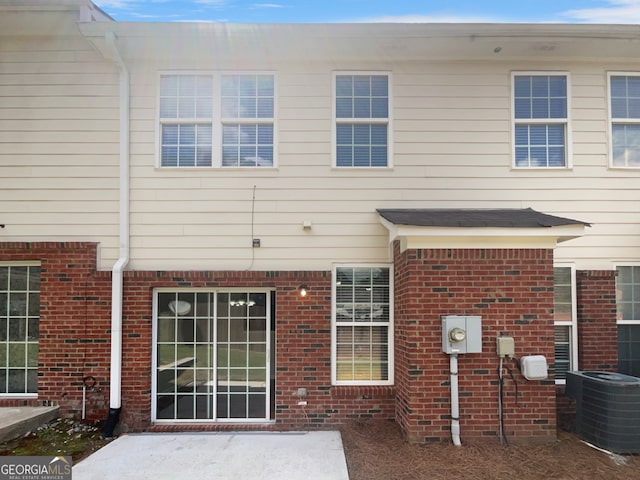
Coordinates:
<point>363,391</point>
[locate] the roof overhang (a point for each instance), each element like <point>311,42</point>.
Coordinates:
<point>468,228</point>
<point>227,42</point>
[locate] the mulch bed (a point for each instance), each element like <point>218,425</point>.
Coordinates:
<point>376,450</point>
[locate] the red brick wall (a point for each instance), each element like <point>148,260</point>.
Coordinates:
<point>75,317</point>
<point>511,289</point>
<point>597,328</point>
<point>75,322</point>
<point>513,292</point>
<point>303,348</point>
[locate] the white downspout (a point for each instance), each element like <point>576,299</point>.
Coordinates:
<point>115,396</point>
<point>455,409</point>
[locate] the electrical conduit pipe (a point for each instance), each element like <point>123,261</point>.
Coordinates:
<point>455,408</point>
<point>115,394</point>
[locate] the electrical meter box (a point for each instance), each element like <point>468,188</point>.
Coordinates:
<point>461,334</point>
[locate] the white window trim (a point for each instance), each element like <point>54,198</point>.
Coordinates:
<point>615,268</point>
<point>551,121</point>
<point>611,120</point>
<point>154,354</point>
<point>217,121</point>
<point>367,121</point>
<point>573,360</point>
<point>22,263</point>
<point>334,325</point>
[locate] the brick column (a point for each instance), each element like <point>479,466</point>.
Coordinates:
<point>75,314</point>
<point>597,329</point>
<point>512,289</point>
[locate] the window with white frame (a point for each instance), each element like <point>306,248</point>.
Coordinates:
<point>196,132</point>
<point>362,325</point>
<point>362,120</point>
<point>628,307</point>
<point>19,328</point>
<point>247,120</point>
<point>628,293</point>
<point>565,321</point>
<point>624,95</point>
<point>540,116</point>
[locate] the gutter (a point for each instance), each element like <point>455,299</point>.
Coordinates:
<point>115,387</point>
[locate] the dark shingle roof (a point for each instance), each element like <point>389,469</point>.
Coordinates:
<point>460,217</point>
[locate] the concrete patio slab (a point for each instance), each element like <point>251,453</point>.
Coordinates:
<point>223,456</point>
<point>16,421</point>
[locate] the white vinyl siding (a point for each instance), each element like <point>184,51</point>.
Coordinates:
<point>624,98</point>
<point>362,327</point>
<point>540,115</point>
<point>58,142</point>
<point>362,120</point>
<point>450,130</point>
<point>565,321</point>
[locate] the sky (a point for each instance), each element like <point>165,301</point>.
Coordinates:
<point>411,11</point>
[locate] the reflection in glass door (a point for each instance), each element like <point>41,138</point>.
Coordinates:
<point>212,358</point>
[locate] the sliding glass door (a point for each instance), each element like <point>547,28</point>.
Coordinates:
<point>212,356</point>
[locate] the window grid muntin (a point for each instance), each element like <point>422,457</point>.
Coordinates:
<point>368,97</point>
<point>19,329</point>
<point>554,113</point>
<point>200,154</point>
<point>624,112</point>
<point>371,311</point>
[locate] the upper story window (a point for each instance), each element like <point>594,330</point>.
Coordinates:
<point>540,116</point>
<point>625,120</point>
<point>195,132</point>
<point>247,120</point>
<point>362,120</point>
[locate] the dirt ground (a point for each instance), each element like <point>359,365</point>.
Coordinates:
<point>58,437</point>
<point>377,451</point>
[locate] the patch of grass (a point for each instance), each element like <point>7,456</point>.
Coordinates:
<point>60,437</point>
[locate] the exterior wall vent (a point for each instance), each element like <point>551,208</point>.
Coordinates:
<point>607,409</point>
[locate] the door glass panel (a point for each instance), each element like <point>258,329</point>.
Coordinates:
<point>212,352</point>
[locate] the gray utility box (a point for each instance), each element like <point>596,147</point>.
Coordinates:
<point>607,409</point>
<point>461,334</point>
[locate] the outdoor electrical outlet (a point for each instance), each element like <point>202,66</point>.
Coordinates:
<point>256,243</point>
<point>505,346</point>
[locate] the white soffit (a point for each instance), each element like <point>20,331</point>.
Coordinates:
<point>416,237</point>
